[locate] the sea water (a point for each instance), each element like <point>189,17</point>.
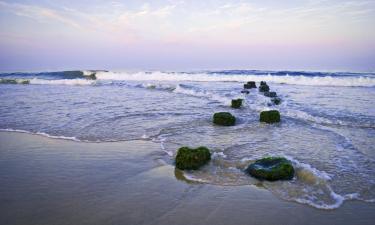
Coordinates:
<point>327,127</point>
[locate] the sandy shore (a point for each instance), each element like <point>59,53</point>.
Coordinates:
<point>50,181</point>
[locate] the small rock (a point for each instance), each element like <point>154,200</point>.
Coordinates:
<point>224,119</point>
<point>250,84</point>
<point>276,101</point>
<point>236,103</point>
<point>271,169</point>
<point>191,159</point>
<point>272,116</point>
<point>264,88</point>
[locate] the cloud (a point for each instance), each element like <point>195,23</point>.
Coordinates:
<point>40,14</point>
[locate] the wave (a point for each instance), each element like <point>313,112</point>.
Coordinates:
<point>63,82</point>
<point>42,134</point>
<point>349,81</point>
<point>196,92</point>
<point>310,186</point>
<point>49,82</point>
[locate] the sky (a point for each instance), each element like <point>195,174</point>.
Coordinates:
<point>321,35</point>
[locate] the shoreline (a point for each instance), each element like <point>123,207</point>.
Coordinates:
<point>52,181</point>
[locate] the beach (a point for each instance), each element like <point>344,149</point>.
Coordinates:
<point>52,181</point>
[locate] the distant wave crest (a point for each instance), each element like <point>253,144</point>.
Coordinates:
<point>349,81</point>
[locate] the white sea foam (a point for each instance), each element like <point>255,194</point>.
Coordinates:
<point>219,155</point>
<point>185,89</point>
<point>42,134</point>
<point>310,186</point>
<point>62,81</point>
<point>298,80</point>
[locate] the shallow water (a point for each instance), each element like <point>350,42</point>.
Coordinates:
<point>327,128</point>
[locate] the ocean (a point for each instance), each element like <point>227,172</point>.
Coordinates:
<point>327,126</point>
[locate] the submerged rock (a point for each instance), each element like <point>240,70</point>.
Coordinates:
<point>264,88</point>
<point>270,94</point>
<point>224,119</point>
<point>237,103</point>
<point>245,92</point>
<point>272,169</point>
<point>191,159</point>
<point>271,116</point>
<point>276,101</point>
<point>91,76</point>
<point>249,85</point>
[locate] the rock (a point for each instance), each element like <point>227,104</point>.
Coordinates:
<point>245,92</point>
<point>264,88</point>
<point>236,103</point>
<point>272,116</point>
<point>270,94</point>
<point>91,76</point>
<point>276,101</point>
<point>249,85</point>
<point>191,159</point>
<point>224,119</point>
<point>263,83</point>
<point>272,169</point>
<point>25,82</point>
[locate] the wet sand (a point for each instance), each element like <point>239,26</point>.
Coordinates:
<point>50,181</point>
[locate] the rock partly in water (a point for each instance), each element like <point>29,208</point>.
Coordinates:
<point>271,116</point>
<point>237,103</point>
<point>91,76</point>
<point>264,88</point>
<point>263,83</point>
<point>245,92</point>
<point>224,119</point>
<point>249,85</point>
<point>276,101</point>
<point>191,159</point>
<point>271,169</point>
<point>270,94</point>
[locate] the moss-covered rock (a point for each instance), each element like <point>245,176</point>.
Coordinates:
<point>224,119</point>
<point>263,83</point>
<point>270,94</point>
<point>272,169</point>
<point>276,101</point>
<point>249,85</point>
<point>191,159</point>
<point>271,116</point>
<point>237,103</point>
<point>264,88</point>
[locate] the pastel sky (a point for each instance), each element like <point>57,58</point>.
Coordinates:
<point>187,35</point>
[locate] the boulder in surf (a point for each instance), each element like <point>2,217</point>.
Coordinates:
<point>192,158</point>
<point>224,119</point>
<point>271,169</point>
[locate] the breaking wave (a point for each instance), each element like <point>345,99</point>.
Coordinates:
<point>359,80</point>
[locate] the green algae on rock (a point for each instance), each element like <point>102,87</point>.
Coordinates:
<point>264,88</point>
<point>249,85</point>
<point>236,103</point>
<point>276,101</point>
<point>271,116</point>
<point>224,119</point>
<point>191,159</point>
<point>271,169</point>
